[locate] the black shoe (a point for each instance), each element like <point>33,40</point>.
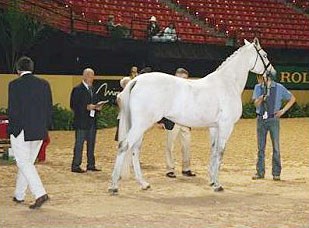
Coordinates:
<point>257,177</point>
<point>171,175</point>
<point>39,202</point>
<point>188,173</point>
<point>18,201</point>
<point>78,170</point>
<point>276,178</point>
<point>94,169</point>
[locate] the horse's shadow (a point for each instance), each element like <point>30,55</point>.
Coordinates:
<point>206,196</point>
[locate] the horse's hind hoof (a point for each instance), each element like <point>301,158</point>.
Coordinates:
<point>146,187</point>
<point>219,189</point>
<point>113,191</point>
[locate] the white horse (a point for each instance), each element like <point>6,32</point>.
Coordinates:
<point>213,101</point>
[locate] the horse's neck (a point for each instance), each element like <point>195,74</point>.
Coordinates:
<point>236,71</point>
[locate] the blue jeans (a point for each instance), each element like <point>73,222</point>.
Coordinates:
<point>273,126</point>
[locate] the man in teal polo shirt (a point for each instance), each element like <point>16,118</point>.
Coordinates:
<point>268,98</point>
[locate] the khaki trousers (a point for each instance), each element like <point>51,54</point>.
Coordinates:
<point>25,153</point>
<point>185,139</point>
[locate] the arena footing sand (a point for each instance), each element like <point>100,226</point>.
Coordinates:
<point>82,200</point>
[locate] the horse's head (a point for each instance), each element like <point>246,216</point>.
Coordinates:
<point>259,61</point>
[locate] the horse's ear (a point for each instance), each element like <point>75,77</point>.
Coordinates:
<point>246,42</point>
<point>256,42</point>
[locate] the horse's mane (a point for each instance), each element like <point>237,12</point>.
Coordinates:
<point>228,59</point>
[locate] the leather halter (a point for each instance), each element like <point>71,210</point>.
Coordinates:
<point>265,65</point>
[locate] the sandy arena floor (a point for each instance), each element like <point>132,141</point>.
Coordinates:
<point>81,200</point>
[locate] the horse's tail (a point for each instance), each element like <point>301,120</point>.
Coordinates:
<point>124,127</point>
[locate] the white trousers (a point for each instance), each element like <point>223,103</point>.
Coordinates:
<point>185,139</point>
<point>25,153</point>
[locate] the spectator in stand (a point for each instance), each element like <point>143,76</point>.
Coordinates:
<point>116,30</point>
<point>153,29</point>
<point>170,33</point>
<point>133,72</point>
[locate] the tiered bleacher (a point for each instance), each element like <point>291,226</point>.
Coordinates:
<point>135,14</point>
<point>302,4</point>
<point>276,23</point>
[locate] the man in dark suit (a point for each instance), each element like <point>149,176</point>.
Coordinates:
<point>85,108</point>
<point>30,114</point>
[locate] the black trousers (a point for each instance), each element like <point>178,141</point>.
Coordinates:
<point>81,136</point>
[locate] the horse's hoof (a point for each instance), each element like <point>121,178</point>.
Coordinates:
<point>146,187</point>
<point>219,189</point>
<point>113,191</point>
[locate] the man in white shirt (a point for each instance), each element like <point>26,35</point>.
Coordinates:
<point>84,105</point>
<point>185,139</point>
<point>30,115</point>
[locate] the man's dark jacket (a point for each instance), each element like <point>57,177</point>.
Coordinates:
<point>80,98</point>
<point>30,107</point>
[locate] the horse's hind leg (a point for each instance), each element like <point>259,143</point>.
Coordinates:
<point>123,147</point>
<point>136,165</point>
<point>135,138</point>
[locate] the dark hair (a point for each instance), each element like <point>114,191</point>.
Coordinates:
<point>110,17</point>
<point>24,64</point>
<point>145,70</point>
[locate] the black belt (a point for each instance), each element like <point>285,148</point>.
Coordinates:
<point>268,117</point>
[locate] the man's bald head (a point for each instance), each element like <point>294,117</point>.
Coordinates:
<point>182,73</point>
<point>88,76</point>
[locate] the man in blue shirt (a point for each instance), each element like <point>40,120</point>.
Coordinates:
<point>268,96</point>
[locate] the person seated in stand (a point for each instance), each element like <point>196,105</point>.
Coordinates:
<point>153,30</point>
<point>169,34</point>
<point>116,30</point>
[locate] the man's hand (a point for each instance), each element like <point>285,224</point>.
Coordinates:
<point>280,113</point>
<point>99,107</point>
<point>91,107</point>
<point>259,100</point>
<point>286,107</point>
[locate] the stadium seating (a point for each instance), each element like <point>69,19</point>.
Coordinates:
<point>303,4</point>
<point>135,14</point>
<point>53,13</point>
<point>274,22</point>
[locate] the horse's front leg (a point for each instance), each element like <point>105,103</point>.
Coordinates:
<point>219,138</point>
<point>213,141</point>
<point>216,158</point>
